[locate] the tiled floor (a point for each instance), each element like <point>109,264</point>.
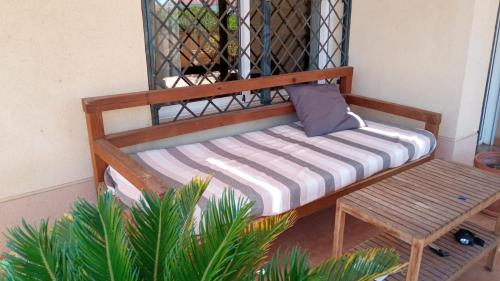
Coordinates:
<point>314,233</point>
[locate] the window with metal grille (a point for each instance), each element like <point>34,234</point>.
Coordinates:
<point>194,42</point>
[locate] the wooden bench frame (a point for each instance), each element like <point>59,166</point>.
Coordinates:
<point>105,148</point>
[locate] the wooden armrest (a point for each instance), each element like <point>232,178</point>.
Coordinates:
<point>431,119</point>
<point>139,175</point>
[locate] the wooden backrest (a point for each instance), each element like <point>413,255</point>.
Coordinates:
<point>94,106</point>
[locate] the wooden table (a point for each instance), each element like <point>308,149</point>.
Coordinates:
<point>424,205</point>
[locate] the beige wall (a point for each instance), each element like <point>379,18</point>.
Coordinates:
<point>428,54</point>
<point>52,54</point>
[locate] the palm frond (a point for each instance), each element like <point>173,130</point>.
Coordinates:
<point>188,196</point>
<point>267,229</point>
<point>37,246</point>
<point>103,249</point>
<point>209,254</point>
<point>294,266</point>
<point>228,246</point>
<point>6,271</point>
<point>161,242</point>
<point>365,265</point>
<point>160,225</point>
<point>153,233</point>
<point>256,241</point>
<point>67,248</point>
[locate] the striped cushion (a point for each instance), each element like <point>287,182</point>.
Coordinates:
<point>281,168</point>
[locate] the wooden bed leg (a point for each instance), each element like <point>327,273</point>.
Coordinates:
<point>490,264</point>
<point>95,129</point>
<point>338,231</point>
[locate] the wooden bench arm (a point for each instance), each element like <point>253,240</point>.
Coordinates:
<point>431,119</point>
<point>141,176</point>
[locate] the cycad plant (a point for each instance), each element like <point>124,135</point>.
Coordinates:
<point>159,239</point>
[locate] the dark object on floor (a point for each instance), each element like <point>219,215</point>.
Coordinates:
<point>438,251</point>
<point>467,238</point>
<point>494,166</point>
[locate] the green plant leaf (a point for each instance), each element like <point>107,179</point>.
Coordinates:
<point>188,196</point>
<point>103,248</point>
<point>362,266</point>
<point>161,242</point>
<point>365,265</point>
<point>204,257</point>
<point>293,266</point>
<point>153,233</point>
<point>70,269</point>
<point>37,246</point>
<point>159,225</point>
<point>228,246</point>
<point>6,271</point>
<point>264,231</point>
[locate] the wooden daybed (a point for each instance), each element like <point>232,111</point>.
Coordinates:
<point>105,148</point>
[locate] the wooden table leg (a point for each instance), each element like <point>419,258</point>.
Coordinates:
<point>490,265</point>
<point>417,249</point>
<point>338,231</point>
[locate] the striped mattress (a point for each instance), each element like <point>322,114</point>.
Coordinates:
<point>280,168</point>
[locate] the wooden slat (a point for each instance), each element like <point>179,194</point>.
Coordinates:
<point>445,186</point>
<point>182,127</point>
<point>120,101</point>
<point>424,194</point>
<point>406,216</point>
<point>433,205</point>
<point>388,225</point>
<point>436,189</point>
<point>453,182</point>
<point>427,215</point>
<point>471,174</point>
<point>431,119</point>
<point>435,267</point>
<point>404,256</point>
<point>456,182</point>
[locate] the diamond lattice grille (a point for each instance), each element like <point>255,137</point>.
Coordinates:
<point>194,42</point>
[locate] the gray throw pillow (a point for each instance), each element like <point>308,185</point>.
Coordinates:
<point>322,109</point>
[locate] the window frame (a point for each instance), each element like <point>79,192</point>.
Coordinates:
<point>245,42</point>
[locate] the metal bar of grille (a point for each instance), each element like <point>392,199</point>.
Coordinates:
<point>192,42</point>
<point>265,63</point>
<point>346,24</point>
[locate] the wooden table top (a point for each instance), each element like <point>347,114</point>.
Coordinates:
<point>425,202</point>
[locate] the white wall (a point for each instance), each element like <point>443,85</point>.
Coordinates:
<point>52,53</point>
<point>428,54</point>
<point>478,60</point>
